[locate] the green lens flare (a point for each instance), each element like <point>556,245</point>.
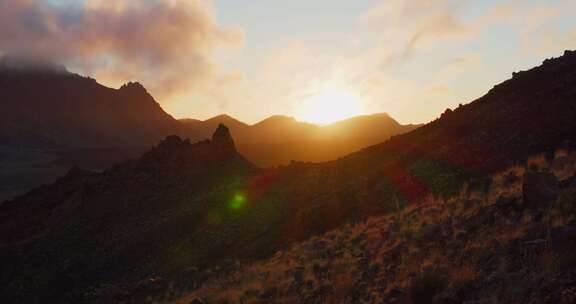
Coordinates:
<point>238,201</point>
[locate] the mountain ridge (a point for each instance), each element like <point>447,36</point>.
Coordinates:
<point>89,115</point>
<point>279,139</point>
<point>52,119</point>
<point>166,220</point>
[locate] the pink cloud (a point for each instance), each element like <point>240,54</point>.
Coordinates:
<point>168,45</point>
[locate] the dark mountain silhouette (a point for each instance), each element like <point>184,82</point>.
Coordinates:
<point>200,129</point>
<point>512,240</point>
<point>367,126</point>
<point>534,112</point>
<point>51,119</point>
<point>187,213</point>
<point>280,128</point>
<point>114,225</point>
<point>479,208</point>
<point>277,140</point>
<point>235,124</point>
<point>44,106</point>
<point>47,106</point>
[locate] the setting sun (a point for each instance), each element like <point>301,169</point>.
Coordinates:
<point>330,105</point>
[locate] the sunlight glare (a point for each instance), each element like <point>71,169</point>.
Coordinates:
<point>330,105</point>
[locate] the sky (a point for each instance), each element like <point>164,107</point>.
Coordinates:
<point>251,59</point>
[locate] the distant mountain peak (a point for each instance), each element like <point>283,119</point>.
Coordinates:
<point>380,114</point>
<point>279,120</point>
<point>223,139</point>
<point>225,119</point>
<point>222,117</point>
<point>133,86</point>
<point>61,109</point>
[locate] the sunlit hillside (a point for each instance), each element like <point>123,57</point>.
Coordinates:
<point>294,152</point>
<point>509,241</point>
<point>171,223</point>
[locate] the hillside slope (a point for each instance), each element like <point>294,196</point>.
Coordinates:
<point>51,120</point>
<point>530,113</point>
<point>130,221</point>
<point>512,242</point>
<point>47,106</point>
<point>147,216</point>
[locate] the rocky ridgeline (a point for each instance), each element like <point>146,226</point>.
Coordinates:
<point>103,229</point>
<point>44,105</point>
<point>174,154</point>
<point>449,229</point>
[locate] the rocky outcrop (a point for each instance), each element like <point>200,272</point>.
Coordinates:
<point>124,222</point>
<point>223,140</point>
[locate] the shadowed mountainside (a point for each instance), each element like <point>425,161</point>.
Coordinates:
<point>158,225</point>
<point>278,140</point>
<point>131,220</point>
<point>44,105</point>
<point>47,106</point>
<point>511,242</point>
<point>51,120</point>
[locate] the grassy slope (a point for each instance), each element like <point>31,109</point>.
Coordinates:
<point>171,218</point>
<point>510,243</point>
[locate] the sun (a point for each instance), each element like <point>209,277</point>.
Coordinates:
<point>330,105</point>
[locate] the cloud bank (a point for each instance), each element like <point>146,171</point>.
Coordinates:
<point>167,44</point>
<point>411,24</point>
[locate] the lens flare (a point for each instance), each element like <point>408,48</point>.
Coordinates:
<point>238,201</point>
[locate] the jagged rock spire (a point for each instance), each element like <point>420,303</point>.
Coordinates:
<point>223,139</point>
<point>135,86</point>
